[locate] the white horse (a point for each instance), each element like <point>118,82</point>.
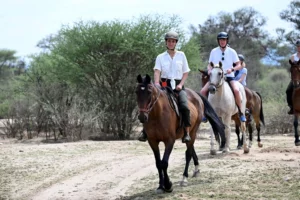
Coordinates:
<point>222,100</point>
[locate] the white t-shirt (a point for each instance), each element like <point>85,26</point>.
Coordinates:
<point>295,57</point>
<point>230,57</point>
<point>172,68</point>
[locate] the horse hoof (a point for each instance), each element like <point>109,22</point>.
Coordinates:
<point>297,143</point>
<point>239,147</point>
<point>221,149</point>
<point>213,152</point>
<point>159,191</point>
<point>183,183</point>
<point>260,145</point>
<point>247,150</point>
<point>196,173</point>
<point>170,189</point>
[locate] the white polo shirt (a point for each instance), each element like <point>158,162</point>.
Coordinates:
<point>295,57</point>
<point>172,68</point>
<point>230,57</point>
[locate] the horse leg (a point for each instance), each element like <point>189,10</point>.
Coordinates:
<point>212,142</point>
<point>189,154</point>
<point>155,148</point>
<point>243,129</point>
<point>164,165</point>
<point>297,142</point>
<point>250,130</point>
<point>237,131</point>
<point>227,122</point>
<point>258,134</point>
<point>196,163</point>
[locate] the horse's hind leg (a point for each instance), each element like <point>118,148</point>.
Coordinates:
<point>189,154</point>
<point>237,131</point>
<point>250,130</point>
<point>196,163</point>
<point>258,134</point>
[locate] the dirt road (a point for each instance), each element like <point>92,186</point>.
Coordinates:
<point>126,170</point>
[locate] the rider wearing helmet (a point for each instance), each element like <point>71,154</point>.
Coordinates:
<point>289,91</point>
<point>171,69</point>
<point>227,56</point>
<point>241,75</point>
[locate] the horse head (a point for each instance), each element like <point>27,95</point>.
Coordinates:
<point>216,77</point>
<point>147,95</point>
<point>204,76</point>
<point>295,73</point>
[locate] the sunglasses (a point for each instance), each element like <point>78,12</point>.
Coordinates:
<point>223,56</point>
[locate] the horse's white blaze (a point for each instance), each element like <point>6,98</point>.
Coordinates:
<point>223,102</point>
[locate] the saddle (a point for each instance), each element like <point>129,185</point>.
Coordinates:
<point>173,100</point>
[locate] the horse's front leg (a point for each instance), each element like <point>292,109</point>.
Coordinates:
<point>257,125</point>
<point>227,121</point>
<point>297,142</point>
<point>155,148</point>
<point>165,163</point>
<point>245,145</point>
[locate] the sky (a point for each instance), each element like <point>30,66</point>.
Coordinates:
<point>25,22</point>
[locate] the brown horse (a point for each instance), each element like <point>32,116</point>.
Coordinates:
<point>162,124</point>
<point>255,108</point>
<point>295,76</point>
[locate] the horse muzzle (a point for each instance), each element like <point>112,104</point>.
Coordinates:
<point>143,117</point>
<point>212,89</point>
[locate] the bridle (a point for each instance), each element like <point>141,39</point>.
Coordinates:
<point>152,102</point>
<point>221,79</point>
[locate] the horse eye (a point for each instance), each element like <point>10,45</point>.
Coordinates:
<point>220,73</point>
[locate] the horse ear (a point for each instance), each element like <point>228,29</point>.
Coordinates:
<point>211,64</point>
<point>201,71</point>
<point>148,79</point>
<point>290,62</point>
<point>139,79</point>
<point>220,64</point>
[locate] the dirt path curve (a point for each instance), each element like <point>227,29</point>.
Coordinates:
<point>110,180</point>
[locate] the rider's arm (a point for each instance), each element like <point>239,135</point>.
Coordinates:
<point>156,76</point>
<point>242,78</point>
<point>184,77</point>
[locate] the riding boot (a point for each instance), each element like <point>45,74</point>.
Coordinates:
<point>186,137</point>
<point>143,136</point>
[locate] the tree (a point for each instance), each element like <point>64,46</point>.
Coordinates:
<point>102,61</point>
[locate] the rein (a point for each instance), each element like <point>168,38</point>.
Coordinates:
<point>151,104</point>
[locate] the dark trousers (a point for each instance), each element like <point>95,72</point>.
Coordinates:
<point>184,108</point>
<point>289,93</point>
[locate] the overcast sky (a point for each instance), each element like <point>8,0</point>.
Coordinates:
<point>25,22</point>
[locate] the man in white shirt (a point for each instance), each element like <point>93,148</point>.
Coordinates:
<point>227,56</point>
<point>171,69</point>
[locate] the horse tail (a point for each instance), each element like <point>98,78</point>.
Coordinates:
<point>216,124</point>
<point>261,115</point>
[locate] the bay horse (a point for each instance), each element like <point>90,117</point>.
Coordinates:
<point>255,107</point>
<point>295,76</point>
<point>222,100</point>
<point>162,124</point>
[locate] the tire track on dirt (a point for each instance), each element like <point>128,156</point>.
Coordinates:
<point>107,181</point>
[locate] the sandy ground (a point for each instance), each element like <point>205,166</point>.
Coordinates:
<point>114,169</point>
